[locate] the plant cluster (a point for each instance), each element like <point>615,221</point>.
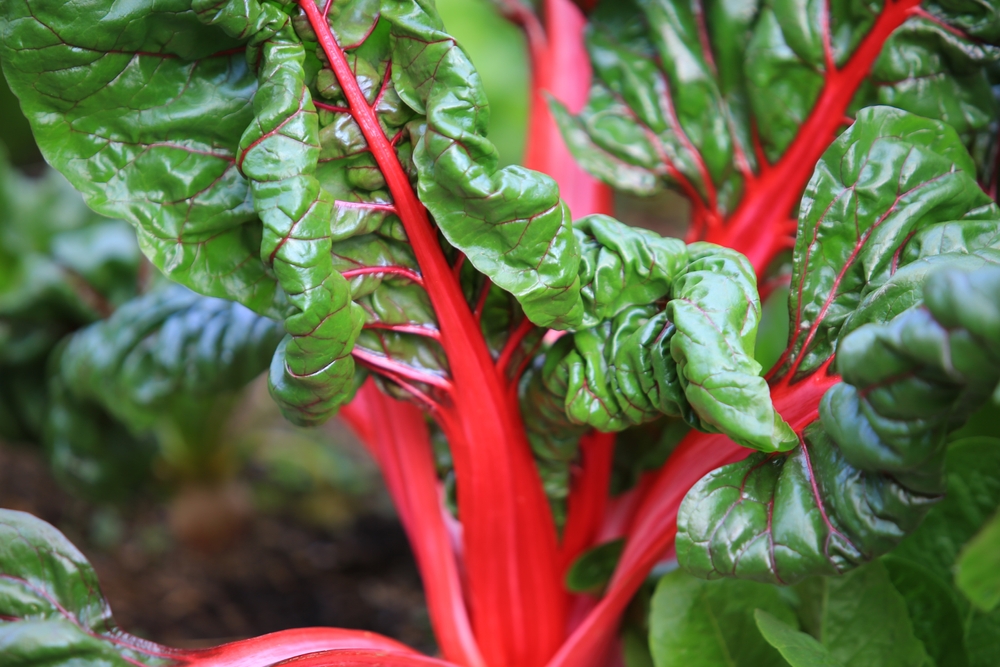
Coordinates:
<point>487,331</point>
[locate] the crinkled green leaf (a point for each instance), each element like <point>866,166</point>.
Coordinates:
<point>278,194</point>
<point>715,311</point>
<point>709,624</point>
<point>156,377</point>
<point>861,619</point>
<point>873,466</point>
<point>693,358</point>
<point>891,176</point>
<point>509,222</point>
<point>702,96</point>
<point>119,98</point>
<point>51,608</point>
<point>796,647</point>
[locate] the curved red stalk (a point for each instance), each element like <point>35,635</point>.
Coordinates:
<point>267,650</point>
<point>560,67</point>
<point>518,605</point>
<point>362,658</point>
<point>397,435</point>
<point>756,228</point>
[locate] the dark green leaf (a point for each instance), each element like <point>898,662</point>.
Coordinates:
<point>592,570</point>
<point>163,369</point>
<point>51,608</point>
<point>861,619</point>
<point>892,175</point>
<point>709,624</point>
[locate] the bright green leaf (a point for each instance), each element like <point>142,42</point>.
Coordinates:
<point>711,624</point>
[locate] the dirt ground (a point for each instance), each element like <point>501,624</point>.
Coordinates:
<point>279,573</point>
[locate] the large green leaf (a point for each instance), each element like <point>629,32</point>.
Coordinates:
<point>934,609</point>
<point>890,177</point>
<point>861,619</point>
<point>692,358</point>
<point>242,187</point>
<point>705,96</point>
<point>869,471</point>
<point>51,608</point>
<point>973,471</point>
<point>156,378</point>
<point>694,622</point>
<point>865,477</point>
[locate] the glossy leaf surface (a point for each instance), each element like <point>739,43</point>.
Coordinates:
<point>869,471</point>
<point>862,257</point>
<point>51,607</point>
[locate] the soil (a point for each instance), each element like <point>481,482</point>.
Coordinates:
<point>275,572</point>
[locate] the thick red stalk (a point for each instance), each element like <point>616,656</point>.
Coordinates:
<point>399,438</point>
<point>560,67</point>
<point>759,227</point>
<point>518,605</point>
<point>276,647</point>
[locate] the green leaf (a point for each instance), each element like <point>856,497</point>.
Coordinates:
<point>890,176</point>
<point>117,97</point>
<point>936,617</point>
<point>973,478</point>
<point>704,97</point>
<point>702,623</point>
<point>51,605</point>
<point>159,374</point>
<point>61,267</point>
<point>715,311</point>
<point>870,470</point>
<point>865,477</point>
<point>797,648</point>
<point>693,358</point>
<point>592,569</point>
<point>861,619</point>
<point>978,570</point>
<point>509,222</point>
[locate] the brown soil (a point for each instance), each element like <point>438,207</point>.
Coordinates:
<point>277,573</point>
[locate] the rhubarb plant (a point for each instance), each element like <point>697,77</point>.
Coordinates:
<point>326,166</point>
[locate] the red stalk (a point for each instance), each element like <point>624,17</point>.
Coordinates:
<point>362,658</point>
<point>399,438</point>
<point>518,606</point>
<point>588,496</point>
<point>267,650</point>
<point>757,227</point>
<point>560,67</point>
